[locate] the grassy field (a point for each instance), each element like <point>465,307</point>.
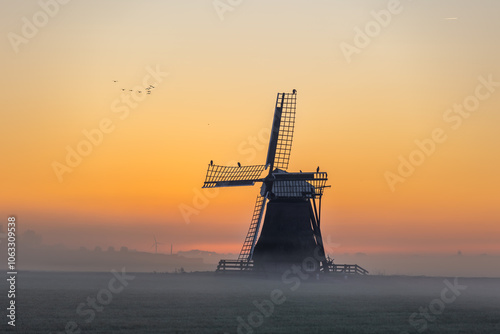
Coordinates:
<point>206,303</point>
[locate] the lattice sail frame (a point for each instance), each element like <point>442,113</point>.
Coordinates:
<point>232,176</point>
<point>246,252</point>
<point>280,143</point>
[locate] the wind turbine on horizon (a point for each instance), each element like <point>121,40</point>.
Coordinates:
<point>155,244</point>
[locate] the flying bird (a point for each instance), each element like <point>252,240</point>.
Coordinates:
<point>123,89</point>
<point>239,165</point>
<point>115,80</point>
<point>294,91</point>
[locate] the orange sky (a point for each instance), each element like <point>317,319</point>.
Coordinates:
<point>354,119</point>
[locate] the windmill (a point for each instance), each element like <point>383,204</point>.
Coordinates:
<point>291,225</point>
<point>155,244</point>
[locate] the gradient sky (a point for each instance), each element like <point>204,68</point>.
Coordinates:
<point>354,119</point>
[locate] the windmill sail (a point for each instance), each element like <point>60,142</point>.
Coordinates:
<point>231,176</point>
<point>249,244</point>
<point>280,143</point>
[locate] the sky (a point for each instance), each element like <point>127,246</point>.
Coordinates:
<point>397,100</point>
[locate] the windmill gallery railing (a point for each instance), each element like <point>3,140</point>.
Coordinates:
<point>347,269</point>
<point>238,266</point>
<point>234,265</point>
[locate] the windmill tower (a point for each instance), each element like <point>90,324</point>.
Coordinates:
<point>291,226</point>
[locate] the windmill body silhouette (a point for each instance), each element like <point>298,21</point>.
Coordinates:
<point>290,231</point>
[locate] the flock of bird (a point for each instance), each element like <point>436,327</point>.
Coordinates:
<point>148,89</point>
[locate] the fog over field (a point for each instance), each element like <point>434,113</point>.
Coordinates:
<point>124,302</point>
<point>141,292</point>
<point>126,291</point>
